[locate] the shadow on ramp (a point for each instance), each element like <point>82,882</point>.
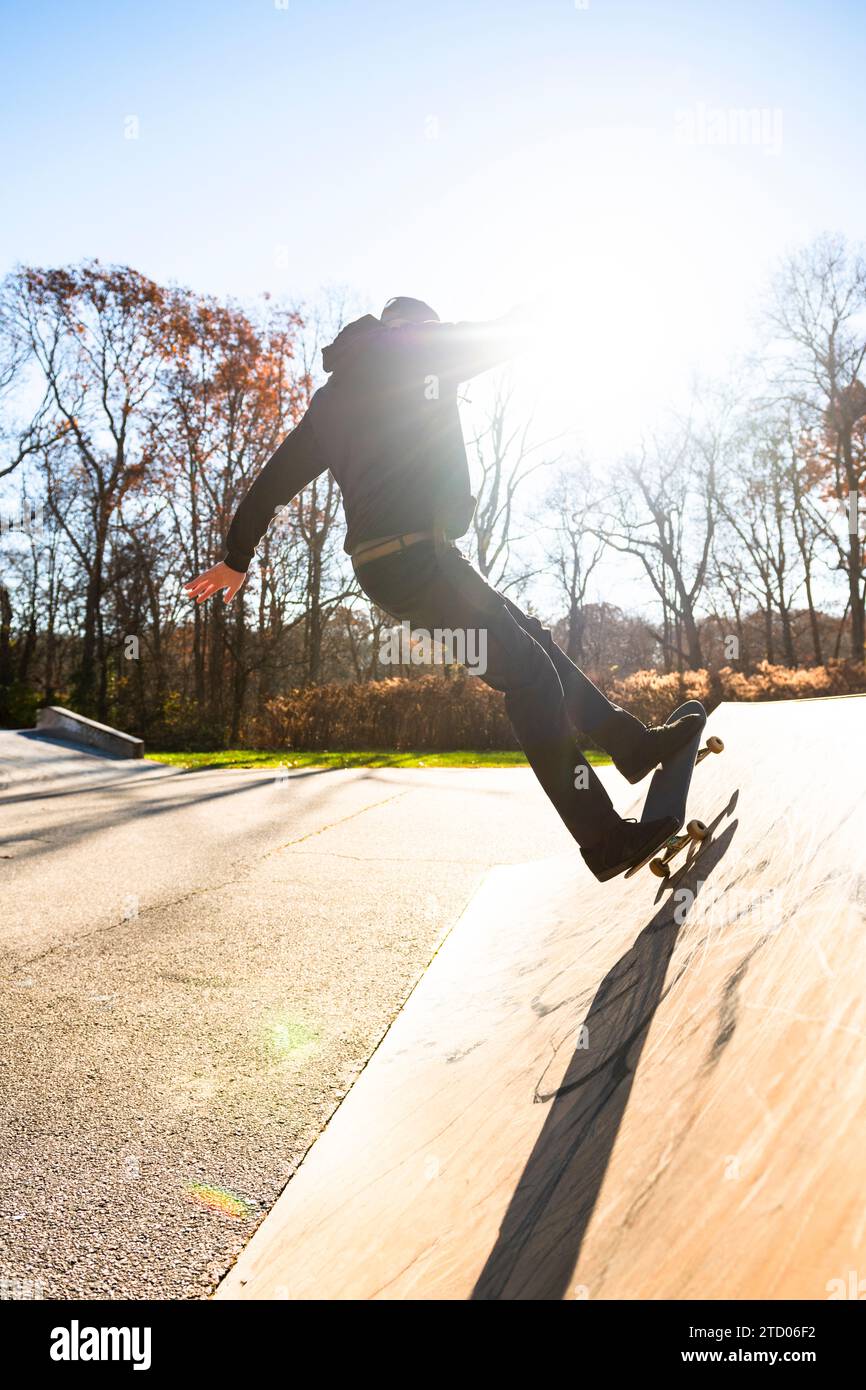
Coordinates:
<point>542,1233</point>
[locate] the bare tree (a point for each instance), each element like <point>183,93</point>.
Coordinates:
<point>571,548</point>
<point>817,312</point>
<point>96,338</point>
<point>662,510</point>
<point>328,581</point>
<point>504,458</point>
<point>755,502</point>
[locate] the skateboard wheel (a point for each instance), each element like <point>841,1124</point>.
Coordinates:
<point>715,745</point>
<point>659,868</point>
<point>696,830</point>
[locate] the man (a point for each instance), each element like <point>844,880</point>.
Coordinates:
<point>386,424</point>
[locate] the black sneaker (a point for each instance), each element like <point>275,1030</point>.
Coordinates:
<point>626,844</point>
<point>654,746</point>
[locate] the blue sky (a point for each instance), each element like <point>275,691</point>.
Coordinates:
<point>476,154</point>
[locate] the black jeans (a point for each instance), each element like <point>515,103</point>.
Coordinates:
<point>547,697</point>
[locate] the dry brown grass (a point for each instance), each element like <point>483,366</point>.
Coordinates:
<point>437,713</point>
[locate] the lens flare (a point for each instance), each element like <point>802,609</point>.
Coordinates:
<point>218,1199</point>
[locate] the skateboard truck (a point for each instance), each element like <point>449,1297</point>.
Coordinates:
<point>712,745</point>
<point>696,830</point>
<point>667,797</point>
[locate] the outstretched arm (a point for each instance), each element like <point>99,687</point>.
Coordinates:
<point>463,350</point>
<point>294,464</point>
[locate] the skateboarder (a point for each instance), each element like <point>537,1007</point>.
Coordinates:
<point>386,424</point>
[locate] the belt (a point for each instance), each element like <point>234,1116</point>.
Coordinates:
<point>374,550</point>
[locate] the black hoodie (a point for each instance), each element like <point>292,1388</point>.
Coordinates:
<point>387,426</point>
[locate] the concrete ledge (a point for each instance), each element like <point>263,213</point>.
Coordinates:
<point>65,723</point>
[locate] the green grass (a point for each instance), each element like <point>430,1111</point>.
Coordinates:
<point>266,758</point>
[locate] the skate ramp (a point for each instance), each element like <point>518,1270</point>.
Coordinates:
<point>630,1090</point>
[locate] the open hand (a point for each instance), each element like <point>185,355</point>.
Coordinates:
<point>213,580</point>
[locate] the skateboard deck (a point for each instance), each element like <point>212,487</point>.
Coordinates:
<point>668,793</point>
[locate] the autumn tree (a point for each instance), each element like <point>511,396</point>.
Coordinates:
<point>229,391</point>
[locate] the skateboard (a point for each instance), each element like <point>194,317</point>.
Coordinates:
<point>667,795</point>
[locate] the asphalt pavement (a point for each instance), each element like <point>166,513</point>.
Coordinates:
<point>194,967</point>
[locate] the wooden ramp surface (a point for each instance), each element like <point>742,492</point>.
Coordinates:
<point>623,1090</point>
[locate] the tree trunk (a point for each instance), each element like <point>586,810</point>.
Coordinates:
<point>314,620</point>
<point>5,636</point>
<point>768,629</point>
<point>84,682</point>
<point>787,635</point>
<point>855,554</point>
<point>855,597</point>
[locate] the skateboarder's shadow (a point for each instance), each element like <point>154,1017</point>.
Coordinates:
<point>542,1232</point>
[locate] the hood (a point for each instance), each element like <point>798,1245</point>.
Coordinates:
<point>349,342</point>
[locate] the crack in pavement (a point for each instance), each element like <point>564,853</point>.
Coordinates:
<point>201,891</point>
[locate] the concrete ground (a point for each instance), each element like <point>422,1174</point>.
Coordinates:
<point>194,966</point>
